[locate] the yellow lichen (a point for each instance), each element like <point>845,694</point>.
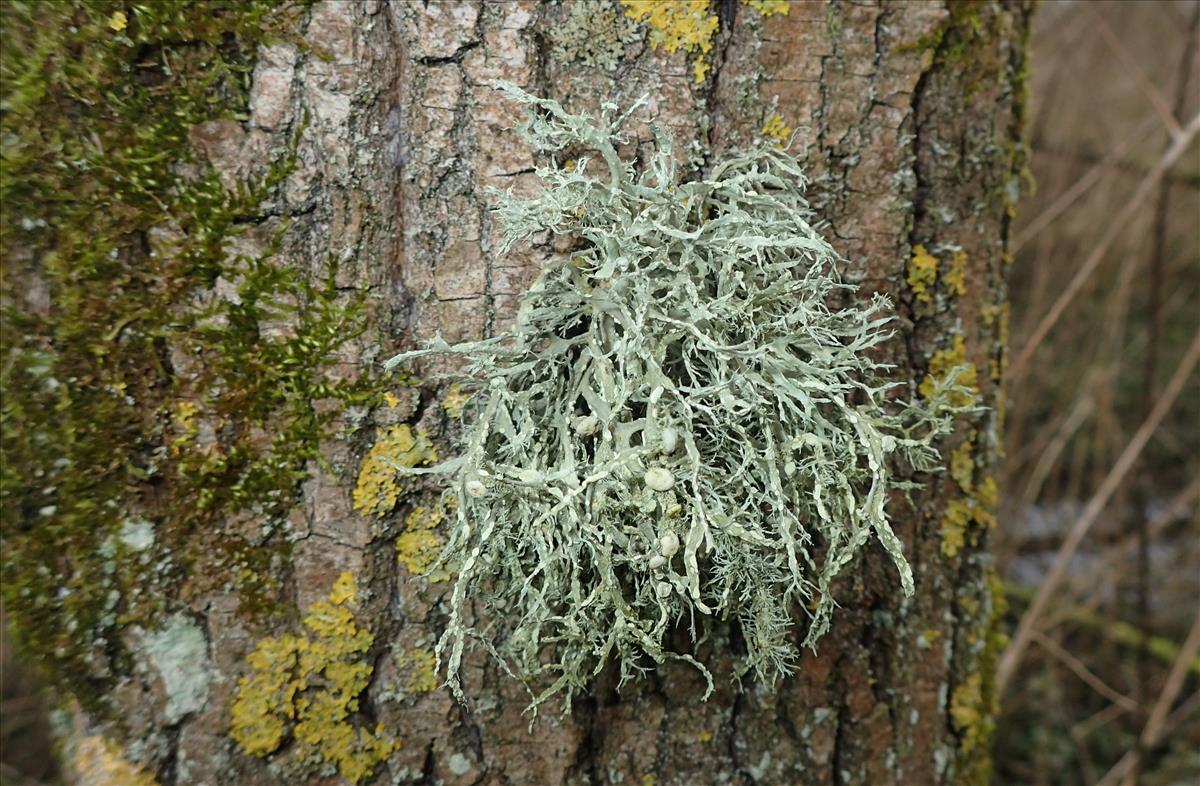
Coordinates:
<point>419,545</point>
<point>962,464</point>
<point>955,277</point>
<point>776,129</point>
<point>418,669</point>
<point>185,422</point>
<point>455,398</point>
<point>686,25</point>
<point>378,488</point>
<point>978,504</point>
<point>101,762</point>
<point>391,399</point>
<point>922,273</point>
<point>312,683</point>
<point>946,361</point>
<point>968,713</point>
<point>704,736</point>
<point>769,7</point>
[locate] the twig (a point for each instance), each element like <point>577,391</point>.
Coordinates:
<point>1083,184</point>
<point>1115,227</point>
<point>1081,671</point>
<point>1159,716</point>
<point>1012,655</point>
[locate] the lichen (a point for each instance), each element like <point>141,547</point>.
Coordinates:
<point>179,653</point>
<point>769,7</point>
<point>975,507</point>
<point>679,25</point>
<point>955,276</point>
<point>98,761</point>
<point>948,363</point>
<point>379,485</point>
<point>678,427</point>
<point>922,273</point>
<point>419,546</point>
<point>967,715</point>
<point>306,687</point>
<point>454,401</point>
<point>418,670</point>
<point>775,128</point>
<point>594,33</point>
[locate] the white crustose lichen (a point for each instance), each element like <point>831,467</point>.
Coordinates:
<point>680,427</point>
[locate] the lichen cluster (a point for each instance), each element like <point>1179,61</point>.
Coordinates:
<point>594,33</point>
<point>306,688</point>
<point>681,426</point>
<point>379,487</point>
<point>679,25</point>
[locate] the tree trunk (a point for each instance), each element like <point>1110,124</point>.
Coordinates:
<point>909,117</point>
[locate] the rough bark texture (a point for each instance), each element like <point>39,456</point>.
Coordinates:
<point>909,116</point>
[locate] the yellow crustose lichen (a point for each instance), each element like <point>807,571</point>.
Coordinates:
<point>955,277</point>
<point>101,762</point>
<point>976,506</point>
<point>769,7</point>
<point>947,361</point>
<point>776,129</point>
<point>922,273</point>
<point>378,488</point>
<point>419,545</point>
<point>309,685</point>
<point>678,24</point>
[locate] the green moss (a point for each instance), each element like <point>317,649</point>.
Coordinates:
<point>132,394</point>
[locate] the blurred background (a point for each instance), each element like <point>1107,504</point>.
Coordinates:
<point>1105,292</point>
<point>1099,541</point>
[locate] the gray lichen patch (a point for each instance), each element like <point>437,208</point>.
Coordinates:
<point>179,653</point>
<point>594,33</point>
<point>682,425</point>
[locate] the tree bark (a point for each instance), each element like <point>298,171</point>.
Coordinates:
<point>909,117</point>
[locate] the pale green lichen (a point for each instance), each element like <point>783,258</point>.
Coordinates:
<point>679,427</point>
<point>593,33</point>
<point>306,688</point>
<point>179,653</point>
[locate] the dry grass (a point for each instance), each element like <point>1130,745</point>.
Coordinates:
<point>1101,518</point>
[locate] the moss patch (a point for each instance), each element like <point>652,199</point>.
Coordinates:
<point>143,381</point>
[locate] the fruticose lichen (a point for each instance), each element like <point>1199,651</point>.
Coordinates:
<point>306,688</point>
<point>680,427</point>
